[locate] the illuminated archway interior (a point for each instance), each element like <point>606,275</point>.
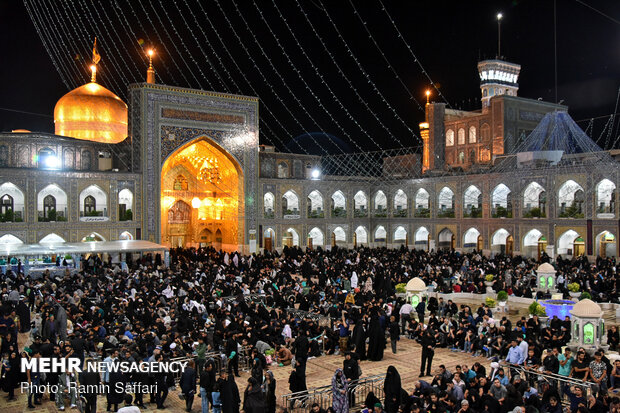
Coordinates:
<point>202,198</point>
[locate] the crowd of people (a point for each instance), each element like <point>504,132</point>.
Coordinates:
<point>220,309</point>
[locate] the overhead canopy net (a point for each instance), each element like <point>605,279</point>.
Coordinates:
<point>384,166</point>
<point>556,142</point>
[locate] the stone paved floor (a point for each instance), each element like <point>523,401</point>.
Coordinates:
<point>319,371</point>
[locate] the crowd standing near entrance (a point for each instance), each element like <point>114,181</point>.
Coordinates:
<point>221,309</point>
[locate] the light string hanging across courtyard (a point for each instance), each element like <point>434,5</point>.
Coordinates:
<point>262,120</point>
<point>361,68</point>
<point>318,73</point>
<point>102,46</point>
<point>297,71</point>
<point>231,26</point>
<point>387,62</point>
<point>415,58</point>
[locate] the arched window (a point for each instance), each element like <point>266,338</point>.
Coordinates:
<point>339,203</point>
<point>90,204</point>
<point>461,136</point>
<point>268,205</point>
<point>570,200</point>
<point>180,183</point>
<point>290,205</point>
<point>400,203</point>
<point>317,237</point>
<point>588,333</point>
<point>472,134</point>
<point>534,201</point>
<point>380,234</point>
<point>446,203</point>
<point>380,204</point>
<point>605,199</point>
<point>283,170</point>
<point>360,204</point>
<point>449,137</point>
<point>501,204</point>
<point>315,205</point>
<point>125,205</point>
<point>422,204</point>
<point>179,213</point>
<point>6,204</point>
<point>49,207</point>
<point>361,235</point>
<point>472,202</point>
<point>461,157</point>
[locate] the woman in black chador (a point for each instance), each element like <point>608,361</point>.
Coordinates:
<point>376,338</point>
<point>391,388</point>
<point>359,339</point>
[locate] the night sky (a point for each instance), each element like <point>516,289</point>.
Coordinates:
<point>448,38</point>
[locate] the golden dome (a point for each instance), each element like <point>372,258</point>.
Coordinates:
<point>91,112</point>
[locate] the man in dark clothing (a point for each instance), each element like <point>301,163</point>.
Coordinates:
<point>229,393</point>
<point>428,351</point>
<point>351,371</point>
<point>420,309</point>
<point>89,378</point>
<point>207,382</point>
<point>188,385</point>
<point>301,348</point>
<point>394,333</point>
<point>233,357</point>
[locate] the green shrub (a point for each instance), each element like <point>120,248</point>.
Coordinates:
<point>401,288</point>
<point>128,215</point>
<point>585,295</point>
<point>68,257</point>
<point>490,302</point>
<point>502,296</point>
<point>574,287</point>
<point>534,213</point>
<point>537,309</point>
<point>489,277</point>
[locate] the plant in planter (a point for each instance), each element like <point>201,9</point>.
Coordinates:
<point>489,278</point>
<point>490,302</point>
<point>585,295</point>
<point>537,309</point>
<point>573,290</point>
<point>502,297</point>
<point>401,288</point>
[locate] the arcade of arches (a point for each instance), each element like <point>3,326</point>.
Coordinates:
<point>202,197</point>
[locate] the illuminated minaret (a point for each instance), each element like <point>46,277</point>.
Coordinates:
<point>497,77</point>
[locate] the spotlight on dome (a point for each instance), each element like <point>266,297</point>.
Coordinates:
<point>315,174</point>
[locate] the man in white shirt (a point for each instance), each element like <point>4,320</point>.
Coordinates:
<point>405,310</point>
<point>128,408</point>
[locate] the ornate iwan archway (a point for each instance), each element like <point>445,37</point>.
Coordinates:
<point>213,187</point>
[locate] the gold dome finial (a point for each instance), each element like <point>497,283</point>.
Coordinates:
<point>150,72</point>
<point>96,59</point>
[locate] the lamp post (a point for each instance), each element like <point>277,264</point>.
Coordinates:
<point>428,93</point>
<point>499,34</point>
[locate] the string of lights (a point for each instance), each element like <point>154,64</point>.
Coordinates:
<point>362,70</point>
<point>613,116</point>
<point>202,51</point>
<point>260,72</point>
<point>162,25</point>
<point>320,76</point>
<point>111,63</point>
<point>387,62</point>
<point>242,73</point>
<point>190,55</point>
<point>262,121</point>
<point>87,39</point>
<point>55,49</point>
<point>45,44</point>
<point>316,33</point>
<point>103,41</point>
<point>129,29</point>
<point>137,74</point>
<point>161,41</point>
<point>415,58</point>
<point>279,75</point>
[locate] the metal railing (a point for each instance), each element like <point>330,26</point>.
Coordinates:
<point>301,402</point>
<point>320,319</point>
<point>537,379</point>
<point>247,298</point>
